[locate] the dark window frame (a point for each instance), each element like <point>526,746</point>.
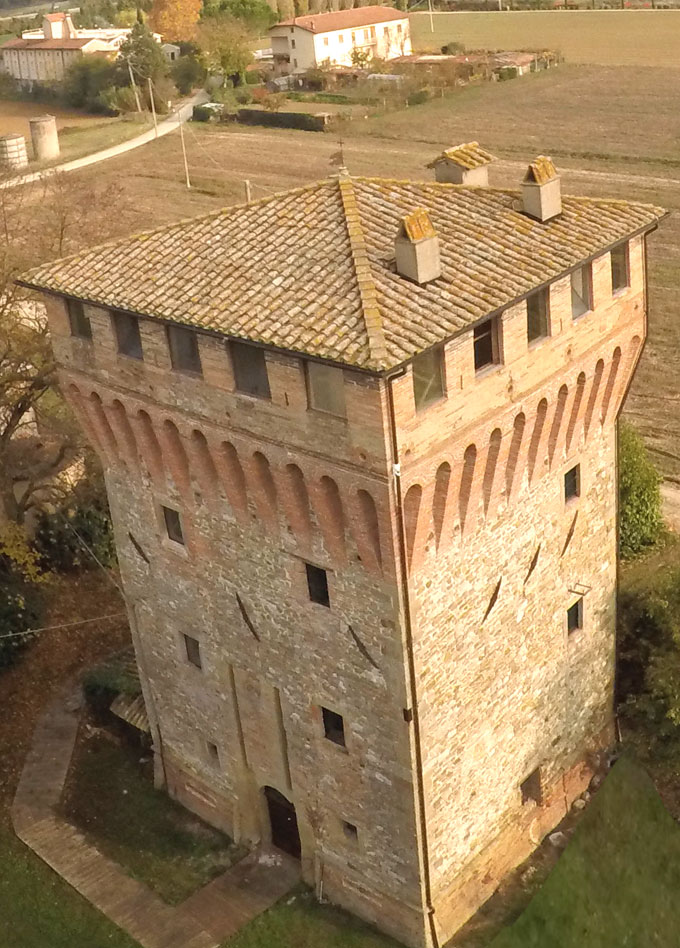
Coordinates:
<point>128,335</point>
<point>244,359</point>
<point>333,727</point>
<point>312,367</point>
<point>538,321</point>
<point>179,347</point>
<point>350,831</point>
<point>624,248</point>
<point>317,585</point>
<point>434,390</point>
<point>79,322</point>
<point>587,270</point>
<point>572,483</point>
<point>174,528</point>
<point>192,651</point>
<point>575,616</point>
<point>486,344</point>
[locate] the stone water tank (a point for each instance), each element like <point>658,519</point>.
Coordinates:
<point>44,137</point>
<point>13,152</point>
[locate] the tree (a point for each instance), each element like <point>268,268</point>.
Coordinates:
<point>143,54</point>
<point>360,57</point>
<point>175,19</point>
<point>225,44</point>
<point>20,595</point>
<point>87,79</point>
<point>256,15</point>
<point>640,520</point>
<point>187,73</point>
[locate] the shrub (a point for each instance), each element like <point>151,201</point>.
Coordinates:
<point>87,80</point>
<point>418,97</point>
<point>640,520</point>
<point>60,536</point>
<point>20,593</point>
<point>453,49</point>
<point>243,96</point>
<point>188,73</point>
<point>202,114</point>
<point>253,77</point>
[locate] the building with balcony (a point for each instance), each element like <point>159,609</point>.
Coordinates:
<point>359,441</point>
<point>328,39</point>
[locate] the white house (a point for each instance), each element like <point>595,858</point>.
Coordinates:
<point>44,55</point>
<point>319,39</point>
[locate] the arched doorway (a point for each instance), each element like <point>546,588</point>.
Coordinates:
<point>283,822</point>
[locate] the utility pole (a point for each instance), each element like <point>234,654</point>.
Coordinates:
<point>429,7</point>
<point>249,196</point>
<point>184,151</point>
<point>134,87</point>
<point>153,107</point>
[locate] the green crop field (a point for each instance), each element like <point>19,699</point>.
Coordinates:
<point>601,37</point>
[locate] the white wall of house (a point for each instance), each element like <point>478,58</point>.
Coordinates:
<point>38,65</point>
<point>307,50</point>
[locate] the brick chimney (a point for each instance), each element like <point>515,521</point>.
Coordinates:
<point>463,164</point>
<point>416,248</point>
<point>541,190</point>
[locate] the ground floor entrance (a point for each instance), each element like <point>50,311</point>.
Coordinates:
<point>283,822</point>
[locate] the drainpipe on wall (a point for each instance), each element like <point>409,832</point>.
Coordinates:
<point>403,569</point>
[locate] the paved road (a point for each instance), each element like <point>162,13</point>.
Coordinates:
<point>181,114</point>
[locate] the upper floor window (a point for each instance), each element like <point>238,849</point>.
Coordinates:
<point>292,44</point>
<point>575,616</point>
<point>398,27</point>
<point>184,354</point>
<point>354,38</point>
<point>537,315</point>
<point>572,483</point>
<point>127,335</point>
<point>428,377</point>
<point>80,324</point>
<point>620,267</point>
<point>487,349</point>
<point>192,650</point>
<point>250,370</point>
<point>341,38</point>
<point>325,41</point>
<point>326,388</point>
<point>581,291</point>
<point>173,525</point>
<point>317,585</point>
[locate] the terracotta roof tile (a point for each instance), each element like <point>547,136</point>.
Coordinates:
<point>541,170</point>
<point>312,270</point>
<point>468,156</point>
<point>19,43</point>
<point>343,19</point>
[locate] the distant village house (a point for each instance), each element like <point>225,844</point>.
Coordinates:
<point>329,39</point>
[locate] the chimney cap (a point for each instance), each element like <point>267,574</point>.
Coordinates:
<point>541,170</point>
<point>467,156</point>
<point>416,225</point>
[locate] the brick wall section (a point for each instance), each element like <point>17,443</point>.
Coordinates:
<point>492,553</point>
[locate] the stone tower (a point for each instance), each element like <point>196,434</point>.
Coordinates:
<point>360,449</point>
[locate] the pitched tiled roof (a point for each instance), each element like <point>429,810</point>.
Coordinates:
<point>541,170</point>
<point>312,270</point>
<point>468,156</point>
<point>67,43</point>
<point>344,19</point>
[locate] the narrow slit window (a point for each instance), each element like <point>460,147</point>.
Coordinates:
<point>80,324</point>
<point>537,315</point>
<point>620,268</point>
<point>575,616</point>
<point>486,344</point>
<point>428,378</point>
<point>350,831</point>
<point>326,388</point>
<point>127,335</point>
<point>317,585</point>
<point>333,727</point>
<point>250,370</point>
<point>184,354</point>
<point>572,483</point>
<point>213,753</point>
<point>581,291</point>
<point>192,650</point>
<point>173,525</point>
<point>531,788</point>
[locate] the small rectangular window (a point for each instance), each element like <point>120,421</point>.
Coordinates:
<point>292,44</point>
<point>317,585</point>
<point>620,268</point>
<point>428,378</point>
<point>537,315</point>
<point>572,483</point>
<point>581,291</point>
<point>250,370</point>
<point>341,38</point>
<point>80,324</point>
<point>192,649</point>
<point>184,354</point>
<point>213,753</point>
<point>333,727</point>
<point>173,525</point>
<point>325,41</point>
<point>326,388</point>
<point>127,335</point>
<point>531,788</point>
<point>486,344</point>
<point>575,616</point>
<point>350,831</point>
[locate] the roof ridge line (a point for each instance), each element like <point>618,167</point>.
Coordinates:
<point>368,293</point>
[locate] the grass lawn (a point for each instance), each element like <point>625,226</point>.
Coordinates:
<point>300,922</point>
<point>603,37</point>
<point>79,140</point>
<point>111,798</point>
<point>39,910</point>
<point>617,882</point>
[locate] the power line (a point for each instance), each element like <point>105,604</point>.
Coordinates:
<point>64,625</point>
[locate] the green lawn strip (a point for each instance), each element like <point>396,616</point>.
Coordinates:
<point>617,882</point>
<point>40,910</point>
<point>298,921</point>
<point>76,141</point>
<point>155,840</point>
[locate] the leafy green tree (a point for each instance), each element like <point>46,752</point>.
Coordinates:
<point>225,45</point>
<point>256,15</point>
<point>87,78</point>
<point>640,520</point>
<point>188,73</point>
<point>143,54</point>
<point>20,593</point>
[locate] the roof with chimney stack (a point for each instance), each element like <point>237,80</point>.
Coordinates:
<point>468,156</point>
<point>312,270</point>
<point>343,19</point>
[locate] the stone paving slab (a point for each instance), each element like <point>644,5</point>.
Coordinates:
<point>205,919</point>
